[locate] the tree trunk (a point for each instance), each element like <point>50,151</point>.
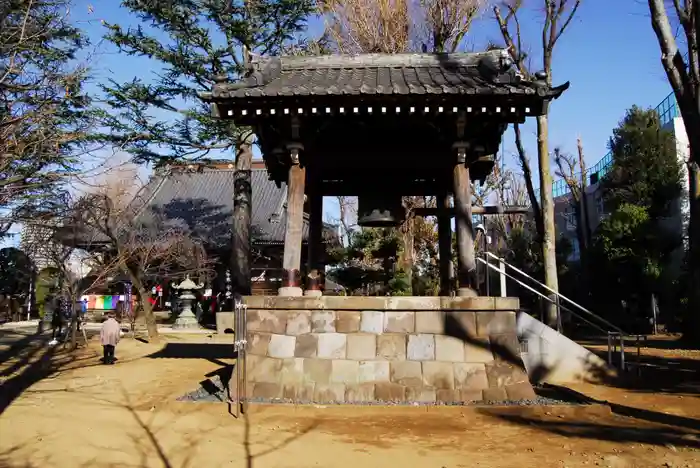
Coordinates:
<point>580,227</point>
<point>586,235</point>
<point>408,241</point>
<point>691,328</point>
<point>584,199</point>
<point>407,260</point>
<point>445,246</point>
<point>242,202</point>
<point>344,222</point>
<point>149,317</point>
<point>527,175</point>
<point>685,82</point>
<point>549,257</point>
<point>73,323</point>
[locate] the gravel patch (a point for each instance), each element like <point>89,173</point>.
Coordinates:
<point>209,390</point>
<point>213,390</point>
<point>539,401</point>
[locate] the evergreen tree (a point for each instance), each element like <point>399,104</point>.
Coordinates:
<point>368,264</point>
<point>44,111</point>
<point>16,272</point>
<point>194,43</point>
<point>191,42</point>
<point>646,171</point>
<point>631,247</point>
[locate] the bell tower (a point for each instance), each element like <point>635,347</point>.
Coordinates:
<point>380,127</point>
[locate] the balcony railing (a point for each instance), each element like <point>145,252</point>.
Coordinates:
<point>667,110</point>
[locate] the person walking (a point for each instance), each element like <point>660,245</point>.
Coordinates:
<point>109,337</point>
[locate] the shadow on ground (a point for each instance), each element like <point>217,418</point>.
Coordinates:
<point>148,442</point>
<point>653,373</point>
<point>35,361</point>
<point>212,352</point>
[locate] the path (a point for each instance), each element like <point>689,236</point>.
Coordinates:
<point>126,416</point>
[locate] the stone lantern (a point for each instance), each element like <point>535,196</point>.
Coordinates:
<point>187,319</point>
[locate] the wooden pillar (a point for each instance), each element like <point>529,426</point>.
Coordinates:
<point>445,245</point>
<point>466,275</point>
<point>291,262</point>
<point>314,277</point>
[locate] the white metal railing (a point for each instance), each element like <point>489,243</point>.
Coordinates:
<point>615,335</point>
<point>557,294</point>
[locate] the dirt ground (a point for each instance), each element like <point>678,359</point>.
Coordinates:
<point>65,411</point>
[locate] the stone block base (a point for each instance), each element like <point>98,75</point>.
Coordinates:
<point>363,349</point>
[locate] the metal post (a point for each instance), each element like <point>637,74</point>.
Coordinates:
<point>610,350</point>
<point>639,355</point>
<point>244,386</point>
<point>488,274</point>
<point>502,269</point>
<point>622,352</point>
<point>560,328</point>
<point>240,342</point>
<point>237,347</point>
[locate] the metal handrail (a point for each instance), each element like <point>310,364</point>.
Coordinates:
<point>596,326</point>
<point>617,333</point>
<point>559,295</point>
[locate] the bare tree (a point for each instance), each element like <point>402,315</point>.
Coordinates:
<point>395,26</point>
<point>101,225</point>
<point>448,21</point>
<point>142,250</point>
<point>369,26</point>
<point>511,192</point>
<point>584,184</point>
<point>347,206</point>
<point>573,174</point>
<point>69,263</point>
<point>558,14</point>
<point>684,77</point>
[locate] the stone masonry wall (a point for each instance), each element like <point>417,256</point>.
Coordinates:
<point>362,349</point>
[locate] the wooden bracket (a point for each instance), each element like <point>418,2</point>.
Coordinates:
<point>294,149</point>
<point>461,147</point>
<point>461,123</point>
<point>296,124</point>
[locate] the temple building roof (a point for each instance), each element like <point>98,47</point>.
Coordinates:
<point>485,73</point>
<point>201,199</point>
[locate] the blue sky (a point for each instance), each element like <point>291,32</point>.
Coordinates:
<point>609,54</point>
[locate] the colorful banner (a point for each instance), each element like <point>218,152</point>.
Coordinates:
<point>103,302</point>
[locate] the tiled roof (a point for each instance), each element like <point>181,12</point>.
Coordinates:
<point>203,202</point>
<point>486,73</point>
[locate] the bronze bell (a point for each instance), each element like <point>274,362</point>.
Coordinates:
<point>380,210</point>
